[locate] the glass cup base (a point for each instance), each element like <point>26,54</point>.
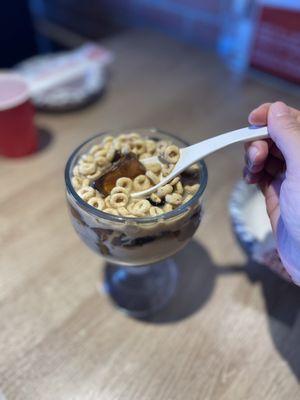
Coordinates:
<point>144,290</point>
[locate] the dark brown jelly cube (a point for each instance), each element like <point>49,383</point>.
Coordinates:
<point>127,166</point>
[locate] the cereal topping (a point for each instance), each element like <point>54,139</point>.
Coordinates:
<point>111,170</point>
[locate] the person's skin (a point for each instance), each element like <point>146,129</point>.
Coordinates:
<point>274,164</point>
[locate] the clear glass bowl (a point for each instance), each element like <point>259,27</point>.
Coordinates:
<point>135,242</point>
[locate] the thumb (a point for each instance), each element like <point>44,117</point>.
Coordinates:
<point>284,129</point>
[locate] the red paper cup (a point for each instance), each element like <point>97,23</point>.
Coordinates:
<point>18,135</point>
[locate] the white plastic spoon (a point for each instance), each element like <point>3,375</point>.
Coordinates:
<point>191,154</point>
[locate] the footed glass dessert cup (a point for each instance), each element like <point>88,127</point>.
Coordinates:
<point>139,276</point>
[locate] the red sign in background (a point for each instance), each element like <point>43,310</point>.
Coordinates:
<point>276,46</point>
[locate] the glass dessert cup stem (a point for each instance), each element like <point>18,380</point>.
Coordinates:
<point>143,290</point>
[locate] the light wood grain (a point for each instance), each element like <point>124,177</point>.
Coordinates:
<point>231,332</point>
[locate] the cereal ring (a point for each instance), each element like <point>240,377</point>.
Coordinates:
<point>119,189</point>
<point>144,156</point>
<point>191,189</point>
<point>107,202</point>
<point>138,146</point>
<point>123,211</point>
<point>155,198</point>
<point>123,138</point>
<point>95,148</point>
<point>96,202</point>
<point>154,211</point>
<point>101,161</point>
<point>125,183</point>
<point>86,193</point>
<point>141,208</point>
<point>87,168</point>
<point>95,175</point>
<point>193,169</point>
<point>167,169</point>
<point>100,153</point>
<point>161,146</point>
<point>174,199</point>
<point>172,153</point>
<point>108,139</point>
<point>164,190</point>
<point>187,198</point>
<point>76,182</point>
<point>150,146</point>
<point>134,136</point>
<point>125,149</point>
<point>87,158</point>
<point>179,188</point>
<point>113,211</point>
<point>167,207</point>
<point>174,181</point>
<point>119,200</point>
<point>76,171</point>
<point>156,167</point>
<point>153,177</point>
<point>111,153</point>
<point>141,182</point>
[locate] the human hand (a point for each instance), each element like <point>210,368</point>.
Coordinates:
<point>274,164</point>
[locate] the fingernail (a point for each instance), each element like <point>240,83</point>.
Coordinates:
<point>280,109</point>
<point>252,153</point>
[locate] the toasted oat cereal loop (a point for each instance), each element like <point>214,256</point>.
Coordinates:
<point>118,200</point>
<point>95,175</point>
<point>141,207</point>
<point>141,182</point>
<point>125,183</point>
<point>95,148</point>
<point>193,169</point>
<point>108,139</point>
<point>154,211</point>
<point>107,202</point>
<point>101,161</point>
<point>87,168</point>
<point>111,153</point>
<point>86,193</point>
<point>113,211</point>
<point>174,199</point>
<point>125,149</point>
<point>144,156</point>
<point>150,146</point>
<point>134,136</point>
<point>155,198</point>
<point>96,202</point>
<point>172,154</point>
<point>76,171</point>
<point>153,177</point>
<point>187,198</point>
<point>174,181</point>
<point>138,146</point>
<point>123,211</point>
<point>119,189</point>
<point>161,146</point>
<point>156,167</point>
<point>191,189</point>
<point>167,207</point>
<point>164,190</point>
<point>87,158</point>
<point>167,169</point>
<point>76,182</point>
<point>100,153</point>
<point>179,188</point>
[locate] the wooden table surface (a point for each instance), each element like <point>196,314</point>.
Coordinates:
<point>232,330</point>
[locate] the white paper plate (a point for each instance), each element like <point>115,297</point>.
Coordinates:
<point>252,227</point>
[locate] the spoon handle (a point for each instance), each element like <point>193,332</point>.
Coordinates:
<point>206,147</point>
